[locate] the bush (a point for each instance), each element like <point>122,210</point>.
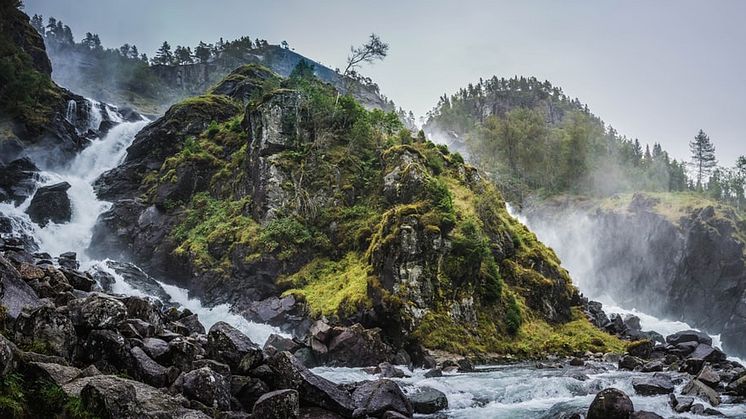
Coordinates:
<point>513,318</point>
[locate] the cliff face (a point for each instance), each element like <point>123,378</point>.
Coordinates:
<point>273,194</point>
<point>33,108</point>
<point>673,255</point>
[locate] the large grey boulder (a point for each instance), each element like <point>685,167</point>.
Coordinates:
<point>290,373</point>
<point>611,403</point>
<point>207,387</point>
<point>229,345</point>
<point>653,385</point>
<point>380,396</point>
<point>144,369</point>
<point>47,328</point>
<point>97,311</point>
<point>279,404</point>
<point>427,400</point>
<point>50,203</point>
<point>15,293</point>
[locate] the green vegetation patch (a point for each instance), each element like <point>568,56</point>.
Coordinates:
<point>332,288</point>
<point>213,223</point>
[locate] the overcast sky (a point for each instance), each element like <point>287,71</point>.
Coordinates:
<point>656,70</point>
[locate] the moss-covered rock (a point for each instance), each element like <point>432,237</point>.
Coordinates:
<point>306,193</point>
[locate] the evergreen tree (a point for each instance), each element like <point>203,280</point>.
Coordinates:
<point>203,52</point>
<point>183,55</point>
<point>703,157</point>
<point>88,41</point>
<point>37,21</point>
<point>164,56</point>
<point>134,53</point>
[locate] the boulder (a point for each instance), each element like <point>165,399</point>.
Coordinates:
<point>50,373</point>
<point>356,346</point>
<point>46,328</point>
<point>7,359</point>
<point>709,376</point>
<point>79,281</point>
<point>50,203</point>
<point>281,343</point>
<point>278,404</point>
<point>689,336</point>
<point>380,396</point>
<point>611,403</point>
<point>680,404</point>
<point>17,179</point>
<point>629,362</point>
<point>107,349</point>
<point>229,345</point>
<point>15,293</point>
<point>108,396</point>
<point>97,311</point>
<point>653,385</point>
<point>247,390</point>
<point>708,353</point>
<point>181,353</point>
<point>641,349</point>
<point>389,371</point>
<point>154,347</point>
<point>143,368</point>
<point>739,386</point>
<point>652,366</point>
<point>192,324</point>
<point>427,400</point>
<point>289,373</point>
<point>435,372</point>
<point>146,310</point>
<point>696,388</point>
<point>207,387</point>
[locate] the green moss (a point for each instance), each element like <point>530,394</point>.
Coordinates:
<point>533,339</point>
<point>40,347</point>
<point>210,221</point>
<point>332,288</point>
<point>286,236</point>
<point>12,397</point>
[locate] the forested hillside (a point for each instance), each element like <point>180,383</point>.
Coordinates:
<point>532,138</point>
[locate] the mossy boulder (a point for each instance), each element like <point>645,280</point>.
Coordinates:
<point>306,193</point>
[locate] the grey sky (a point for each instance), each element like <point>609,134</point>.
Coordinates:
<point>656,70</point>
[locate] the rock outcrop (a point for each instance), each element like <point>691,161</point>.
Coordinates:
<point>674,256</point>
<point>258,207</point>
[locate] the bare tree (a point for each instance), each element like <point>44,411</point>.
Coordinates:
<point>374,50</point>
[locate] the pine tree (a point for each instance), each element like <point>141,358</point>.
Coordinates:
<point>37,21</point>
<point>203,52</point>
<point>164,56</point>
<point>703,156</point>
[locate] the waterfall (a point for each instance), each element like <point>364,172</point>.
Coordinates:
<point>94,115</point>
<point>102,155</point>
<point>72,109</point>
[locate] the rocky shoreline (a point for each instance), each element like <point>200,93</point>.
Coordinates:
<point>128,356</point>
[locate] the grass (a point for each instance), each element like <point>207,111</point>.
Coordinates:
<point>210,221</point>
<point>332,288</point>
<point>12,396</point>
<point>535,338</point>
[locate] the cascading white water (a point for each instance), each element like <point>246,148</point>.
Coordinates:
<point>72,109</point>
<point>94,115</point>
<point>102,155</point>
<point>579,267</point>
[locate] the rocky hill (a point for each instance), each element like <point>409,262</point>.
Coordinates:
<point>292,203</point>
<point>678,256</point>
